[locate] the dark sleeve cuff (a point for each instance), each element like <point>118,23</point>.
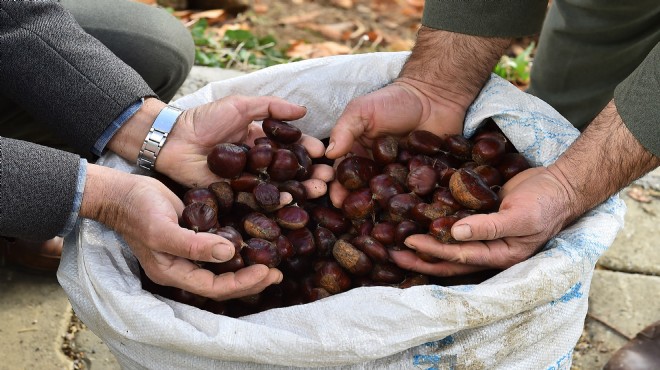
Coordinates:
<point>637,99</point>
<point>37,189</point>
<point>508,18</point>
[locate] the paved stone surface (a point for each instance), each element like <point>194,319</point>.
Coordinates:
<point>34,315</point>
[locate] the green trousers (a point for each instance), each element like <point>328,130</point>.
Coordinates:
<point>586,48</point>
<point>148,39</point>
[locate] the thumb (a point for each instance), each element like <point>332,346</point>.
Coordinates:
<point>349,127</point>
<point>506,223</point>
<point>194,246</point>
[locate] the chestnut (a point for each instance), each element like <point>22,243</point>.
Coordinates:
<point>371,247</point>
<point>359,204</point>
<point>292,217</point>
<point>511,165</point>
<point>351,258</point>
<point>403,230</point>
<point>330,218</point>
<point>422,180</point>
<point>245,182</point>
<point>267,196</point>
<point>384,232</point>
<point>332,277</point>
<point>304,161</point>
<point>260,251</point>
<point>459,147</point>
<point>296,189</point>
<point>284,247</point>
<point>259,158</point>
<point>414,280</point>
<point>387,273</point>
<point>302,241</point>
<point>400,205</point>
<point>471,191</point>
<point>324,240</point>
<point>227,160</point>
<point>224,196</point>
<point>258,225</point>
<point>284,166</point>
<point>355,172</point>
<point>488,151</point>
<point>398,171</point>
<point>385,150</point>
<point>425,142</point>
<point>441,228</point>
<point>383,187</point>
<point>199,217</point>
<point>280,131</point>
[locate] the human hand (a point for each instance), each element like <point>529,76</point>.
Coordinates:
<point>535,207</point>
<point>229,120</point>
<point>145,213</point>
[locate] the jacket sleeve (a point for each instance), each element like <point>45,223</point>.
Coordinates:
<point>637,100</point>
<point>61,75</point>
<point>504,18</point>
<point>64,77</point>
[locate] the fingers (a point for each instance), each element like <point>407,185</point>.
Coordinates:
<point>315,188</point>
<point>337,194</point>
<point>314,146</point>
<point>491,254</point>
<point>408,260</point>
<point>322,172</point>
<point>349,127</point>
<point>181,273</point>
<point>493,226</point>
<point>285,199</point>
<point>258,108</point>
<point>175,240</point>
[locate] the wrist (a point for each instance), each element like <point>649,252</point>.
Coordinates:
<point>100,197</point>
<point>128,140</point>
<point>452,66</point>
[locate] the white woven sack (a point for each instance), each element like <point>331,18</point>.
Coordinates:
<point>527,317</point>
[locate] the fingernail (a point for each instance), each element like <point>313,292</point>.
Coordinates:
<point>222,252</point>
<point>302,106</point>
<point>405,242</point>
<point>330,147</point>
<point>280,279</point>
<point>461,232</point>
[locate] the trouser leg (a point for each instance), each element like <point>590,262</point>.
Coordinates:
<point>586,48</point>
<point>148,39</point>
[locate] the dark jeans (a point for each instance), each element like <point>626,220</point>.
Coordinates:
<point>150,40</point>
<point>586,48</point>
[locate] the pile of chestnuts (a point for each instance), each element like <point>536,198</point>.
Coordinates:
<point>419,184</point>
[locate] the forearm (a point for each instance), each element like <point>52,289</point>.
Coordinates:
<point>602,161</point>
<point>127,141</point>
<point>451,65</point>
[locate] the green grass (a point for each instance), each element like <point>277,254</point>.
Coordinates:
<point>242,50</point>
<point>236,49</point>
<point>516,69</point>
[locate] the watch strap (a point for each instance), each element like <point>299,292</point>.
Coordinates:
<point>157,136</point>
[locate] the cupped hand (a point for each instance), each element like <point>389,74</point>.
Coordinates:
<point>397,109</point>
<point>145,213</point>
<point>535,207</point>
<point>228,120</point>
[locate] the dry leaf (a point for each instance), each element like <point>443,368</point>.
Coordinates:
<point>335,31</point>
<point>260,8</point>
<point>396,43</point>
<point>300,18</point>
<point>317,50</point>
<point>639,194</point>
<point>208,14</point>
<point>346,4</point>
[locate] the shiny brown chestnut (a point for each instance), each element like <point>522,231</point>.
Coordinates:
<point>471,191</point>
<point>261,251</point>
<point>280,131</point>
<point>258,225</point>
<point>332,277</point>
<point>227,160</point>
<point>224,196</point>
<point>199,217</point>
<point>284,166</point>
<point>292,217</point>
<point>371,247</point>
<point>267,196</point>
<point>359,204</point>
<point>440,228</point>
<point>355,172</point>
<point>425,142</point>
<point>385,150</point>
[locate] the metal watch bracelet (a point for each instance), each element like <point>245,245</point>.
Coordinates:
<point>156,137</point>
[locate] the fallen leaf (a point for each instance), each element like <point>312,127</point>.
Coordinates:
<point>300,18</point>
<point>335,31</point>
<point>639,194</point>
<point>260,8</point>
<point>346,4</point>
<point>317,50</point>
<point>208,14</point>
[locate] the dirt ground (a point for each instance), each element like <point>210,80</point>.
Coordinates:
<point>311,29</point>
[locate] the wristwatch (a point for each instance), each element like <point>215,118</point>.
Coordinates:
<point>157,135</point>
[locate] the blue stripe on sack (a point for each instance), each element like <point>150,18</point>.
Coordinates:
<point>573,292</point>
<point>563,363</point>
